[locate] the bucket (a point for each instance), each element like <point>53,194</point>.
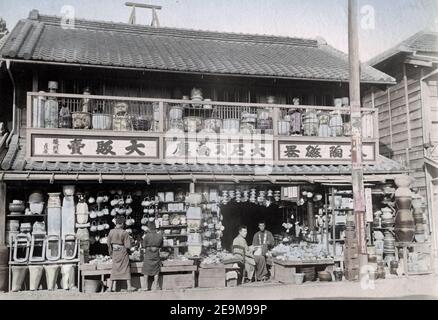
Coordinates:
<point>92,286</point>
<point>299,278</point>
<point>35,275</point>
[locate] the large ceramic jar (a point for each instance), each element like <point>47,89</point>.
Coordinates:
<point>324,129</point>
<point>336,124</point>
<point>404,220</point>
<point>51,108</point>
<point>38,111</point>
<point>54,200</point>
<point>310,123</point>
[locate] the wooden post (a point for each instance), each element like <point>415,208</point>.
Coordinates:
<point>356,139</point>
<point>2,214</point>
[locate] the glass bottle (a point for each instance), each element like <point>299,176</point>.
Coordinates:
<point>51,108</point>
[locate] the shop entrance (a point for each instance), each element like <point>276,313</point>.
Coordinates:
<point>249,214</point>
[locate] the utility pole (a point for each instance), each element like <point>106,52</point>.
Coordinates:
<point>356,139</point>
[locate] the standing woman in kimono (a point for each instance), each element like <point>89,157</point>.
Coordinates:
<point>152,243</point>
<point>119,244</point>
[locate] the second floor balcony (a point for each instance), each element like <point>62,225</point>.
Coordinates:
<point>68,126</point>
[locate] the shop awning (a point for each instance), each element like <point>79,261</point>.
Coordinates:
<point>16,167</point>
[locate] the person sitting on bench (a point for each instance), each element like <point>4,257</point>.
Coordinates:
<point>252,263</point>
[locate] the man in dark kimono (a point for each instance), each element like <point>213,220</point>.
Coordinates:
<point>252,263</point>
<point>119,244</point>
<point>263,238</point>
<point>152,243</point>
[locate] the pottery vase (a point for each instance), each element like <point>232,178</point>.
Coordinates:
<point>52,272</point>
<point>18,276</point>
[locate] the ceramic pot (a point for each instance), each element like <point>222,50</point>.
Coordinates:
<point>12,225</point>
<point>283,128</point>
<point>83,234</point>
<point>82,218</point>
<point>213,125</point>
<point>16,207</point>
<point>338,275</point>
<point>336,125</point>
<point>35,275</point>
<point>192,124</point>
<point>81,120</point>
<point>231,126</point>
<point>310,123</point>
<point>36,208</point>
<point>51,115</point>
<point>403,202</point>
<point>65,118</point>
<point>68,190</point>
<point>102,121</point>
<point>52,272</point>
<point>404,226</point>
<point>54,200</point>
<point>176,113</point>
<point>403,181</point>
<point>36,197</point>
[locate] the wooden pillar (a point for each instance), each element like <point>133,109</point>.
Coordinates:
<point>2,214</point>
<point>356,126</point>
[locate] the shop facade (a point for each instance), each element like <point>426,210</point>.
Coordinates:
<point>208,134</point>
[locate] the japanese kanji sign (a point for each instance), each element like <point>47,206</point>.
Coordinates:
<point>321,151</point>
<point>95,147</point>
<point>217,150</point>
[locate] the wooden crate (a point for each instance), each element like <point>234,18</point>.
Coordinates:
<point>211,277</point>
<point>284,274</point>
<point>169,281</point>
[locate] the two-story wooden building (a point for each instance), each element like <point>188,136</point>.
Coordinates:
<point>408,113</point>
<point>270,120</point>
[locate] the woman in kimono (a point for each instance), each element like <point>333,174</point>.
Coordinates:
<point>152,243</point>
<point>119,244</point>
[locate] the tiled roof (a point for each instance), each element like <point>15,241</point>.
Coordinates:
<point>423,41</point>
<point>15,161</point>
<point>42,38</point>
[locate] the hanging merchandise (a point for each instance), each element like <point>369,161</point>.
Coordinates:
<point>51,108</point>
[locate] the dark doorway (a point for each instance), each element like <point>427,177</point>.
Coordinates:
<point>236,214</point>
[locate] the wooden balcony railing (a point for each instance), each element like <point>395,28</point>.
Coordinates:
<point>293,129</point>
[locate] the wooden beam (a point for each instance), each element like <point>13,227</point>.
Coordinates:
<point>408,117</point>
<point>417,62</point>
<point>143,5</point>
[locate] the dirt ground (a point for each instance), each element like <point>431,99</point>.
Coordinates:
<point>415,287</point>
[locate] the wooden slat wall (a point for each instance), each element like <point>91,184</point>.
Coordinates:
<point>393,128</point>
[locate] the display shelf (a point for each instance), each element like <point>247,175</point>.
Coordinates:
<point>172,212</point>
<point>178,246</point>
<point>26,215</point>
<point>170,226</point>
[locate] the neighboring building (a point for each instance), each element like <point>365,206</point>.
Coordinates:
<point>408,112</point>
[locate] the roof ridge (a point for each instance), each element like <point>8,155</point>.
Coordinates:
<point>402,46</point>
<point>181,32</point>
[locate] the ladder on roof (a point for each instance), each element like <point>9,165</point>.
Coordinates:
<point>154,8</point>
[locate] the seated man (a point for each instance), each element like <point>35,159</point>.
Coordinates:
<point>240,247</point>
<point>263,238</point>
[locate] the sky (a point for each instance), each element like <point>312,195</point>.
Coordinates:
<point>383,23</point>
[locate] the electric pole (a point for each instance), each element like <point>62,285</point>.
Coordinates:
<point>356,139</point>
